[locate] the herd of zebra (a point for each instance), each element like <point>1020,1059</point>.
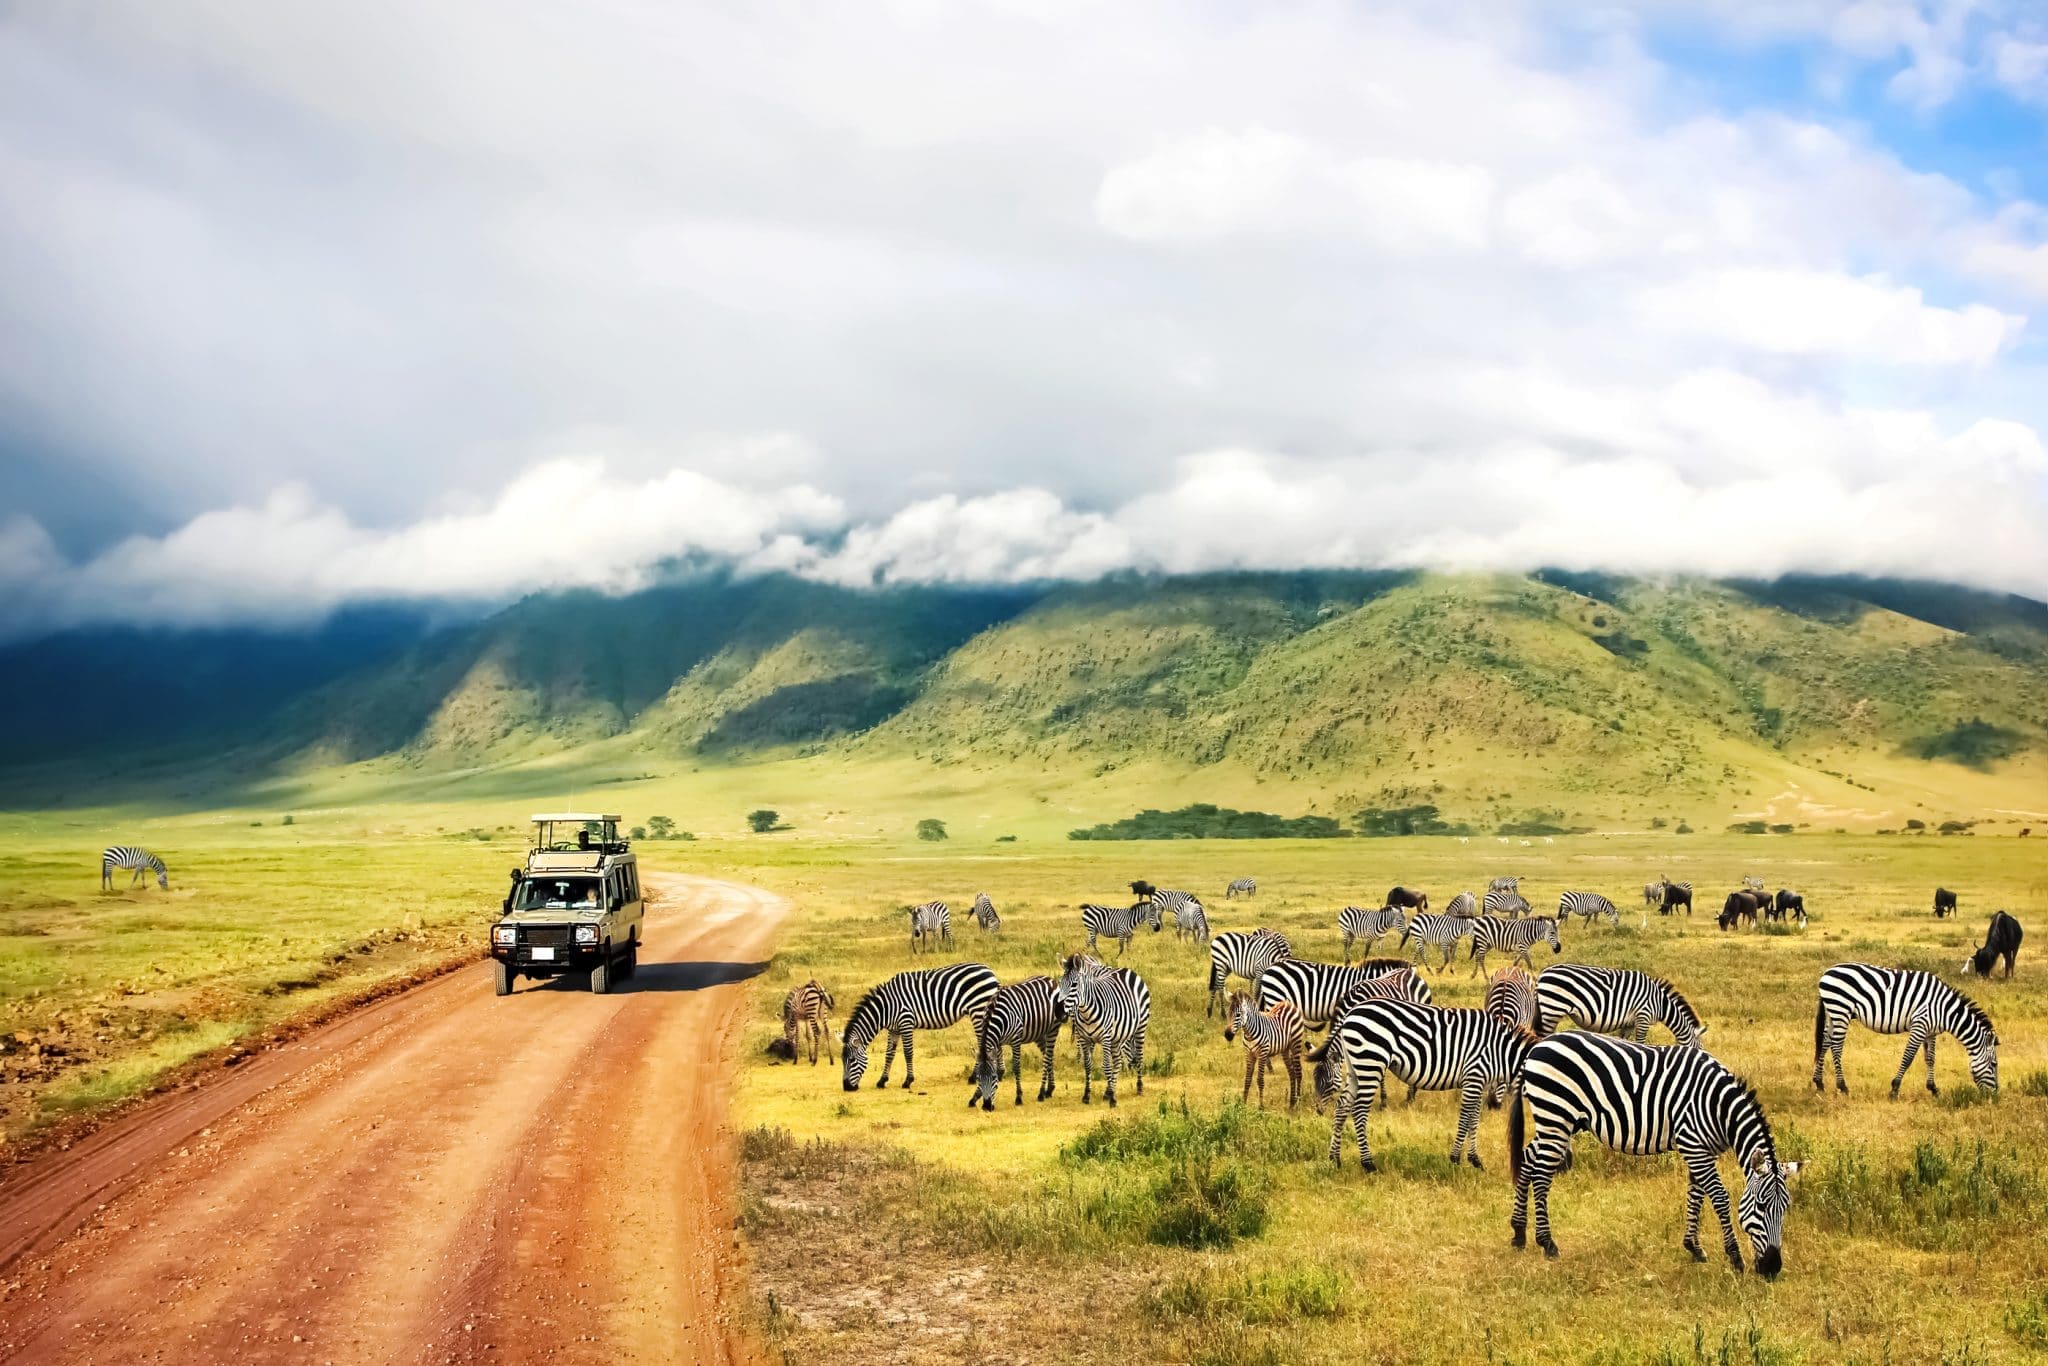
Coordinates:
<point>1381,1021</point>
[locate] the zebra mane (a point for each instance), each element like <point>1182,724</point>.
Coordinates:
<point>855,1017</point>
<point>1678,996</point>
<point>1975,1012</point>
<point>1746,1091</point>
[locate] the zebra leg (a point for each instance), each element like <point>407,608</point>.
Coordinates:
<point>1468,1122</point>
<point>1251,1065</point>
<point>1110,1058</point>
<point>909,1065</point>
<point>1292,1057</point>
<point>1642,1027</point>
<point>1694,1198</point>
<point>1087,1073</point>
<point>1478,961</point>
<point>1837,1038</point>
<point>1361,1115</point>
<point>1091,941</point>
<point>1932,1036</point>
<point>1542,1170</point>
<point>1138,1058</point>
<point>888,1061</point>
<point>1708,1178</point>
<point>1046,1048</point>
<point>1347,948</point>
<point>1017,1068</point>
<point>1916,1038</point>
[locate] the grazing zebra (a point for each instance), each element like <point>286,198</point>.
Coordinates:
<point>1244,886</point>
<point>1358,923</point>
<point>1653,893</point>
<point>1463,906</point>
<point>931,922</point>
<point>1614,1001</point>
<point>1030,1011</point>
<point>1504,884</point>
<point>1643,1100</point>
<point>1511,936</point>
<point>985,914</point>
<point>1271,1034</point>
<point>129,856</point>
<point>1427,930</point>
<point>1118,922</point>
<point>1190,921</point>
<point>1112,1007</point>
<point>1467,1051</point>
<point>808,1008</point>
<point>922,998</point>
<point>1235,953</point>
<point>1900,1001</point>
<point>1591,905</point>
<point>1505,903</point>
<point>1319,990</point>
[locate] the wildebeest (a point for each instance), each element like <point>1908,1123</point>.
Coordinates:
<point>1944,902</point>
<point>1676,894</point>
<point>2001,940</point>
<point>1787,902</point>
<point>1740,906</point>
<point>1408,900</point>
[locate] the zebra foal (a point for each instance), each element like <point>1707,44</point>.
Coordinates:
<point>1643,1100</point>
<point>1276,1033</point>
<point>807,1010</point>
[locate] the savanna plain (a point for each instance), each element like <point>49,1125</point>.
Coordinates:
<point>895,1224</point>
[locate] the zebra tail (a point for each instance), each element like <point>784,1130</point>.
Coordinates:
<point>1820,1030</point>
<point>1517,1134</point>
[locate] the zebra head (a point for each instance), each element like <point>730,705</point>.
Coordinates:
<point>1765,1198</point>
<point>1550,935</point>
<point>987,1076</point>
<point>1147,912</point>
<point>1074,980</point>
<point>1981,1040</point>
<point>1236,1011</point>
<point>1325,1078</point>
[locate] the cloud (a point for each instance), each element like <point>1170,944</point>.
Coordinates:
<point>1796,312</point>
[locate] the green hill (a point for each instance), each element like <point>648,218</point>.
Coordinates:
<point>1570,698</point>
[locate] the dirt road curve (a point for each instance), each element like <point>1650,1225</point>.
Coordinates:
<point>443,1176</point>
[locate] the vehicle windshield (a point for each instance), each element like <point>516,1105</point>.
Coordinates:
<point>556,894</point>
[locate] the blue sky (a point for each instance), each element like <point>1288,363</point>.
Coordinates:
<point>300,308</point>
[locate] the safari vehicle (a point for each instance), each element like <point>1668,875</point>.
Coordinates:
<point>575,906</point>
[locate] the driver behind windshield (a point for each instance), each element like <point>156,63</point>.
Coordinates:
<point>572,894</point>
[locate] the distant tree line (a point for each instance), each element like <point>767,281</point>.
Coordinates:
<point>1205,821</point>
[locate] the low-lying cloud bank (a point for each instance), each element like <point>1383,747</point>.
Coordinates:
<point>1868,493</point>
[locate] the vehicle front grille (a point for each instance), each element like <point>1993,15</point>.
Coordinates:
<point>546,936</point>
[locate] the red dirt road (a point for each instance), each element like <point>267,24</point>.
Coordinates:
<point>443,1176</point>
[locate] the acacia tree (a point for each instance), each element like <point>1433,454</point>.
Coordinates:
<point>931,829</point>
<point>763,820</point>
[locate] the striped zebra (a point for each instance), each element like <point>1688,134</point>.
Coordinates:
<point>1267,1035</point>
<point>808,1009</point>
<point>1643,1100</point>
<point>922,998</point>
<point>1318,990</point>
<point>930,925</point>
<point>1753,884</point>
<point>1112,1007</point>
<point>1464,906</point>
<point>1653,893</point>
<point>1118,922</point>
<point>129,856</point>
<point>1429,930</point>
<point>1030,1011</point>
<point>1900,1001</point>
<point>1614,1001</point>
<point>1504,884</point>
<point>1467,1051</point>
<point>985,914</point>
<point>1590,906</point>
<point>1190,921</point>
<point>1358,923</point>
<point>1244,886</point>
<point>1511,936</point>
<point>1505,902</point>
<point>1236,953</point>
<point>1511,997</point>
<point>1399,983</point>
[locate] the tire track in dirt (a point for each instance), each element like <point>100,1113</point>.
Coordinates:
<point>444,1176</point>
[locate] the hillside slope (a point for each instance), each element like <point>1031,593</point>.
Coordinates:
<point>1494,698</point>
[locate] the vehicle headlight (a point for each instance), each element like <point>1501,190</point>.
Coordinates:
<point>586,934</point>
<point>504,934</point>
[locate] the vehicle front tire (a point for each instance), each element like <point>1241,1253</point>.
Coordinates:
<point>501,976</point>
<point>601,976</point>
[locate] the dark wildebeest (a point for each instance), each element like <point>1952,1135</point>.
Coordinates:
<point>1944,902</point>
<point>1787,902</point>
<point>1407,900</point>
<point>1676,894</point>
<point>2001,940</point>
<point>1740,906</point>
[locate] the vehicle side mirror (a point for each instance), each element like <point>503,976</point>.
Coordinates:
<point>507,907</point>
